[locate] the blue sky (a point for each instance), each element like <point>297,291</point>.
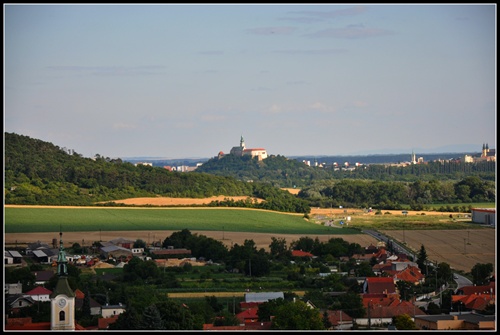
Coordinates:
<point>178,81</point>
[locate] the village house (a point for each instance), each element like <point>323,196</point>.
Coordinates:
<point>39,293</point>
<point>18,301</point>
<point>116,252</point>
<point>450,322</point>
<point>381,308</point>
<point>95,307</point>
<point>12,257</point>
<point>42,277</point>
<point>302,254</point>
<point>339,320</point>
<point>381,285</point>
<point>15,288</point>
<point>112,310</point>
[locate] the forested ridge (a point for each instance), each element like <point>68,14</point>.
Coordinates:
<point>380,186</point>
<point>38,172</point>
<point>286,172</point>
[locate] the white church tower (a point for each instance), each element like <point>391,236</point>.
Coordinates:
<point>62,299</point>
<point>413,157</point>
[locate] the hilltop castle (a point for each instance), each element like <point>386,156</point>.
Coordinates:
<point>242,150</point>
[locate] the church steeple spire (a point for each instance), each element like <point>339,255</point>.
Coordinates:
<point>62,262</point>
<point>62,298</point>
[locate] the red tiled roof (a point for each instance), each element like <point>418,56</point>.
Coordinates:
<point>380,299</point>
<point>380,285</point>
<point>410,274</point>
<point>467,290</point>
<point>103,323</point>
<point>246,305</point>
<point>396,307</point>
<point>336,316</point>
<point>25,324</point>
<point>247,315</point>
<point>474,301</point>
<point>39,290</point>
<point>379,280</point>
<point>254,149</point>
<point>79,294</point>
<point>300,253</point>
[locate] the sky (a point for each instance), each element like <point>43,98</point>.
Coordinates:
<point>187,81</point>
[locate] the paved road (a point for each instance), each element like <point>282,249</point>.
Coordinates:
<point>461,280</point>
<point>396,245</point>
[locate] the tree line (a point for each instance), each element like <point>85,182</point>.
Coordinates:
<point>397,195</point>
<point>38,172</point>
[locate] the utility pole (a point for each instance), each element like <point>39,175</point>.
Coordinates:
<point>414,303</point>
<point>369,315</point>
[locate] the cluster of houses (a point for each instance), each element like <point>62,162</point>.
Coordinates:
<point>380,296</point>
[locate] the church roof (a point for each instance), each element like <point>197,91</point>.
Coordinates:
<point>63,287</point>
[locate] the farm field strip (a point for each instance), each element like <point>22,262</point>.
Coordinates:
<point>448,245</point>
<point>19,220</point>
<point>442,237</point>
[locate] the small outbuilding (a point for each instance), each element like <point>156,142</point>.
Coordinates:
<point>484,216</point>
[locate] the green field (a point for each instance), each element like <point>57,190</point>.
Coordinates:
<point>32,220</point>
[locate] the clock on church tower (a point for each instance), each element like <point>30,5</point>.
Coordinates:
<point>62,299</point>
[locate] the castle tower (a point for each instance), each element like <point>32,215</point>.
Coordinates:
<point>62,299</point>
<point>242,143</point>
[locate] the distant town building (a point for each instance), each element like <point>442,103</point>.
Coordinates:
<point>487,154</point>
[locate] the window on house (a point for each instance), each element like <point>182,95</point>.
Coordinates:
<point>62,316</point>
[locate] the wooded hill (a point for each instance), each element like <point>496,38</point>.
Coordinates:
<point>38,172</point>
